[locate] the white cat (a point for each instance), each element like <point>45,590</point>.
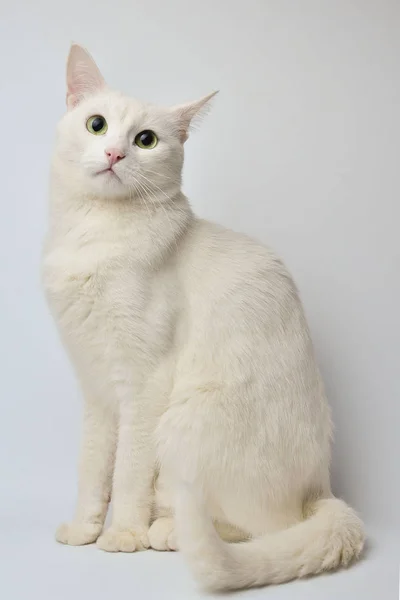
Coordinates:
<point>204,407</point>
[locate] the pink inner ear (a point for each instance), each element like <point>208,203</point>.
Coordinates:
<point>83,75</point>
<point>72,100</point>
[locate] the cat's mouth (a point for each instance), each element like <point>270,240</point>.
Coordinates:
<point>109,171</point>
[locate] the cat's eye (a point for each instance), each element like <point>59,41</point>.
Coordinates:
<point>146,139</point>
<point>97,125</point>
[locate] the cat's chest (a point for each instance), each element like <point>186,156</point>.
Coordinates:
<point>74,276</point>
<point>96,297</point>
<point>106,305</point>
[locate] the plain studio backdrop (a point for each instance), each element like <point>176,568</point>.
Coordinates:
<point>301,150</point>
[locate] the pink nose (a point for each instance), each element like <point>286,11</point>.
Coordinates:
<point>114,155</point>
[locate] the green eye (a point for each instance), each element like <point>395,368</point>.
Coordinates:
<point>97,125</point>
<point>146,139</point>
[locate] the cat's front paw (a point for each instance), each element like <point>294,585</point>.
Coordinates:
<point>127,540</point>
<point>78,534</point>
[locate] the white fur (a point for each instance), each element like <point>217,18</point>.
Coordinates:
<point>203,401</point>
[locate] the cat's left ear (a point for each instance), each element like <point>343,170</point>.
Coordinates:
<point>83,76</point>
<point>186,113</point>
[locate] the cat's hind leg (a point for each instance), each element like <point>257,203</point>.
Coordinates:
<point>162,534</point>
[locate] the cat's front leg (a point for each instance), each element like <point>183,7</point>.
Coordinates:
<point>132,484</point>
<point>95,476</point>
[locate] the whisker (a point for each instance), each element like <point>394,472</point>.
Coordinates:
<point>142,197</point>
<point>159,174</point>
<point>153,198</point>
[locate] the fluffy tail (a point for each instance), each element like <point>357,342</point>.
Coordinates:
<point>332,536</point>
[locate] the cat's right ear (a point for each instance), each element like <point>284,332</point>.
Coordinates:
<point>83,76</point>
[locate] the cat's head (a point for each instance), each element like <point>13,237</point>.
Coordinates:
<point>111,145</point>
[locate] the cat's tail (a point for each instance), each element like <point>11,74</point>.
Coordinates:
<point>331,536</point>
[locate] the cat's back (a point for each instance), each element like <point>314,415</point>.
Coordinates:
<point>220,258</point>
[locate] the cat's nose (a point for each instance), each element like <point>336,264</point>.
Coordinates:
<point>114,155</point>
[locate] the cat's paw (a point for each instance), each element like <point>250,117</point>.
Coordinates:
<point>115,540</point>
<point>162,534</point>
<point>78,534</point>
